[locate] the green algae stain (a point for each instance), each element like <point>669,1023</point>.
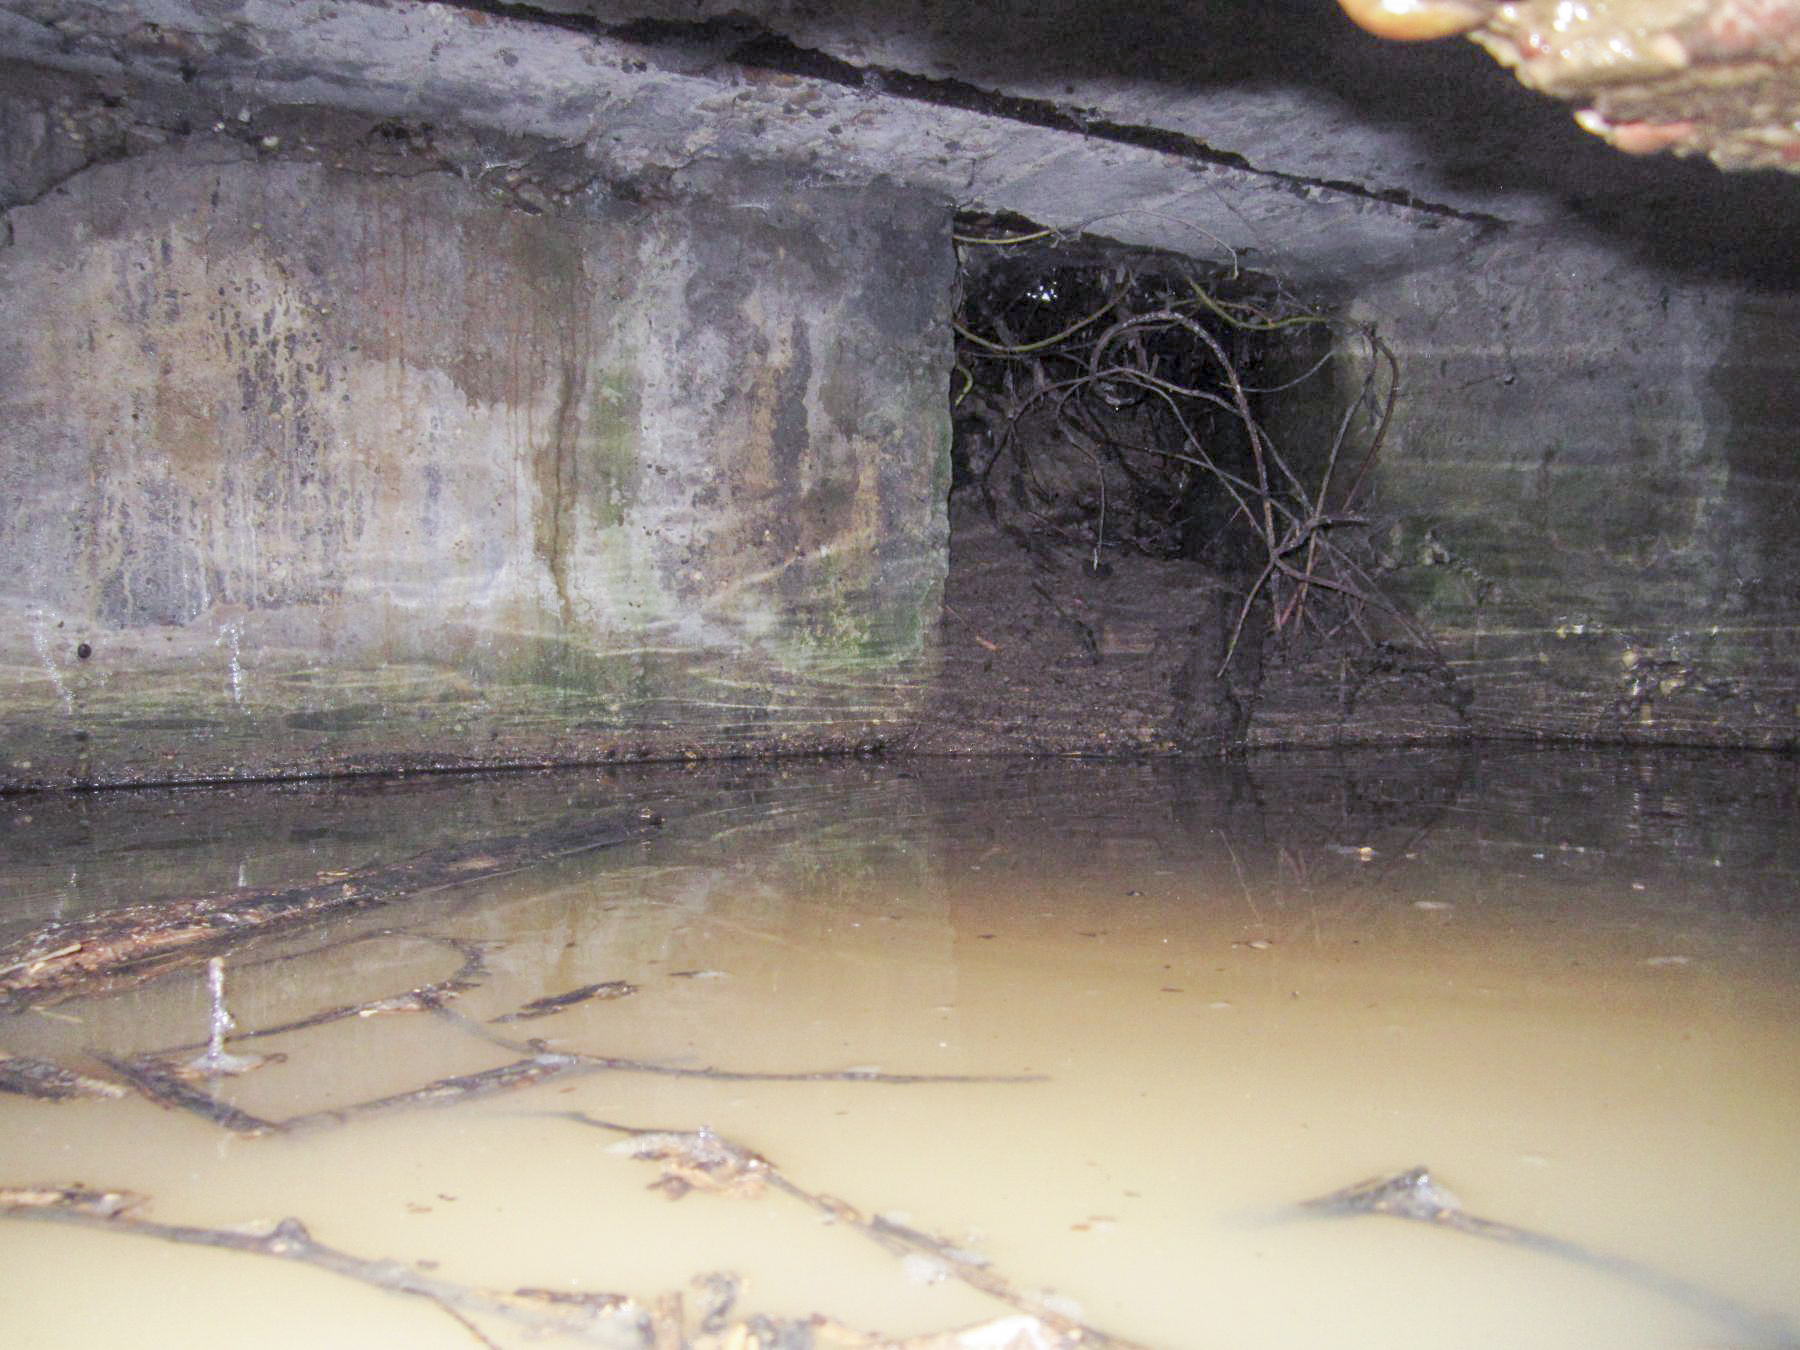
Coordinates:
<point>611,445</point>
<point>868,603</point>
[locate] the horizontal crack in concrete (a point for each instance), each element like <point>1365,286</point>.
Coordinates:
<point>741,42</point>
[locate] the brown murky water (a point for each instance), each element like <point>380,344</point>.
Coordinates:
<point>1569,985</point>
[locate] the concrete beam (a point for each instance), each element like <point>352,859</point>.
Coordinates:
<point>648,98</point>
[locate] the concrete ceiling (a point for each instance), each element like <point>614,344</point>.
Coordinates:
<point>1269,131</point>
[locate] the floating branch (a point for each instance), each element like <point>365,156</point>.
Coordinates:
<point>138,942</point>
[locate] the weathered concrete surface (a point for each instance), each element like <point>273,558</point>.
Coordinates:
<point>313,470</point>
<point>336,560</point>
<point>1272,132</point>
<point>647,89</point>
<point>1590,493</point>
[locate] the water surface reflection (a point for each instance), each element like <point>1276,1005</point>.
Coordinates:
<point>1567,984</point>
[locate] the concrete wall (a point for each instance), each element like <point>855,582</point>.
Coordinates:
<point>307,469</point>
<point>1593,484</point>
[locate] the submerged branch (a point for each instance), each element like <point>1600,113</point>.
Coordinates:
<point>134,943</point>
<point>703,1160</point>
<point>1416,1195</point>
<point>546,1065</point>
<point>160,1083</point>
<point>599,1319</point>
<point>614,1321</point>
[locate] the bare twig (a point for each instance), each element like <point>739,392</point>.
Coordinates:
<point>702,1159</point>
<point>1415,1195</point>
<point>601,1319</point>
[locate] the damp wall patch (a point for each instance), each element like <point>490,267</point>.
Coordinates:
<point>316,470</point>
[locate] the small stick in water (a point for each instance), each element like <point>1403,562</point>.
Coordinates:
<point>165,1087</point>
<point>1415,1194</point>
<point>214,1062</point>
<point>555,1003</point>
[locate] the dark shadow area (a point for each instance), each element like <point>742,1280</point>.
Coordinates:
<point>1058,437</point>
<point>1158,472</point>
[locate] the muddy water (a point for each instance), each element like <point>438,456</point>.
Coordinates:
<point>1570,986</point>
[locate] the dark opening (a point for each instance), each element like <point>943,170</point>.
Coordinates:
<point>1105,397</point>
<point>1160,468</point>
